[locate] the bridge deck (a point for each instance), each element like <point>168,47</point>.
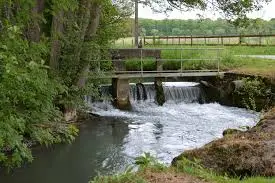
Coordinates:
<point>163,75</point>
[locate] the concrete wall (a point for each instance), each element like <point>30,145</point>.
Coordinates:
<point>120,87</point>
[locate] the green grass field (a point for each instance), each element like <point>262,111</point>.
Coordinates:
<point>230,61</point>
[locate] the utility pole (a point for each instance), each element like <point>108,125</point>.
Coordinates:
<point>136,24</point>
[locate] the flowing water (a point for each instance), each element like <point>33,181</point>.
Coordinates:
<point>109,143</point>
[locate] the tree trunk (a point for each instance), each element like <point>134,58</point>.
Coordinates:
<point>34,31</point>
<point>56,33</point>
<point>90,33</point>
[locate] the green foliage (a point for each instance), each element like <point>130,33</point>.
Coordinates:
<point>171,27</point>
<point>253,90</point>
<point>27,110</point>
<point>149,161</point>
<point>145,160</point>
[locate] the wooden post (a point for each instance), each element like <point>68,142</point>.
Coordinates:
<point>191,40</point>
<point>240,40</point>
<point>222,40</point>
<point>179,40</point>
<point>144,40</point>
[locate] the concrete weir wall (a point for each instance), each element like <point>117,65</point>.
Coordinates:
<point>121,88</point>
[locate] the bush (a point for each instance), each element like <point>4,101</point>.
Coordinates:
<point>253,91</point>
<point>27,110</point>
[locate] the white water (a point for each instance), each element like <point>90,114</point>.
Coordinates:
<point>108,144</point>
<point>166,131</point>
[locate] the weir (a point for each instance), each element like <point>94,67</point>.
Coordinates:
<point>174,92</point>
<point>121,76</point>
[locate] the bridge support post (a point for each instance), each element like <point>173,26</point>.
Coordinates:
<point>160,97</point>
<point>121,90</point>
<point>120,87</point>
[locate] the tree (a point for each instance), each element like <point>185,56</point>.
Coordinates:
<point>45,58</point>
<point>154,32</point>
<point>176,32</point>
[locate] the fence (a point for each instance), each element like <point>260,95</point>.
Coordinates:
<point>225,40</point>
<point>228,40</point>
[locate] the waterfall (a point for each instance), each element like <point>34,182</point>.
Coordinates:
<point>174,92</point>
<point>183,92</point>
<point>142,91</point>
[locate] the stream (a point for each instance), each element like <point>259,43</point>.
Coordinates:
<point>109,143</point>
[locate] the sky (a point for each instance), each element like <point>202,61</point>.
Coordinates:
<point>145,12</point>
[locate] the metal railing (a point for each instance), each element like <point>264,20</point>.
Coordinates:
<point>135,62</point>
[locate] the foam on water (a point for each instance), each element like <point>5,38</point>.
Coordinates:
<point>168,130</point>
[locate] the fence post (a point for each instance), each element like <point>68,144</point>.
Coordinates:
<point>179,40</point>
<point>167,40</point>
<point>240,39</point>
<point>191,40</point>
<point>222,39</point>
<point>219,59</point>
<point>144,41</point>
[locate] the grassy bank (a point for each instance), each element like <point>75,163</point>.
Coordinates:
<point>185,172</point>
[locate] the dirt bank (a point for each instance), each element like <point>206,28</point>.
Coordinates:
<point>242,153</point>
<point>170,177</point>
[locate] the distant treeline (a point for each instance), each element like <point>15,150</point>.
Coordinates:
<point>172,27</point>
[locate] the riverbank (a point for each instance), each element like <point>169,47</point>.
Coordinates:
<point>238,155</point>
<point>250,153</point>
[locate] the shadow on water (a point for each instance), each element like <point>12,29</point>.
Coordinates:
<point>98,148</point>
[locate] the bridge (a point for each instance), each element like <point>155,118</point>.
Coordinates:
<point>156,63</point>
